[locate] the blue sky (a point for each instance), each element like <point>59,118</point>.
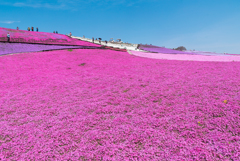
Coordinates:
<point>205,25</point>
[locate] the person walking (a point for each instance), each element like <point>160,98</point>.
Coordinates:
<point>28,29</point>
<point>56,32</point>
<point>32,29</point>
<point>8,37</point>
<point>37,29</point>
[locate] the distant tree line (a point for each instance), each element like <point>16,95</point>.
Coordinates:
<point>180,48</point>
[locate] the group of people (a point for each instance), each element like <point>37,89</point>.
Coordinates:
<point>100,39</point>
<point>55,32</point>
<point>31,29</point>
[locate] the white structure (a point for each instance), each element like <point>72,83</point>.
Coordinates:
<point>119,45</point>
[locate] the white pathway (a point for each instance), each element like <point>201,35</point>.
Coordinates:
<point>127,46</point>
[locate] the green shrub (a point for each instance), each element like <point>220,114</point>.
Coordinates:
<point>82,64</point>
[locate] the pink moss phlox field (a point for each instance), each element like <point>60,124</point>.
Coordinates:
<point>185,57</point>
<point>206,53</point>
<point>110,105</point>
<point>41,38</point>
<point>8,48</point>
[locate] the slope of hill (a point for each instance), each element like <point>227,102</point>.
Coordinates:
<point>40,38</point>
<point>100,104</point>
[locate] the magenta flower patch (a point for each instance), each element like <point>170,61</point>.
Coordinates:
<point>109,105</point>
<point>40,38</point>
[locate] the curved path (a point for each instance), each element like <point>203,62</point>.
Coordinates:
<point>223,58</point>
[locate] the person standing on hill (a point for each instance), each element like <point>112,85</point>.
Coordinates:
<point>93,39</point>
<point>28,29</point>
<point>32,29</point>
<point>17,28</point>
<point>37,29</point>
<point>70,34</point>
<point>56,32</point>
<point>8,37</point>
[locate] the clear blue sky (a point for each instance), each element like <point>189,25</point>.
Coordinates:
<point>205,25</point>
